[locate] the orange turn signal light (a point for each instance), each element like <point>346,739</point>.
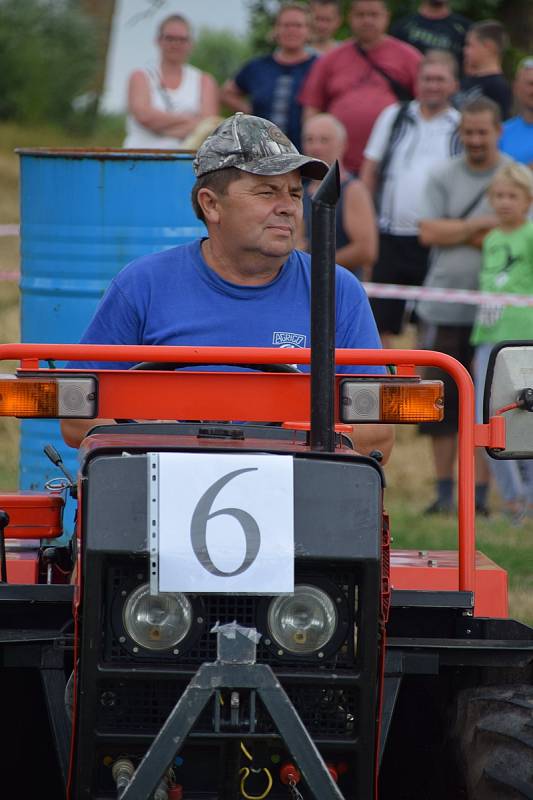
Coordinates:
<point>48,397</point>
<point>24,398</point>
<point>422,402</point>
<point>391,400</point>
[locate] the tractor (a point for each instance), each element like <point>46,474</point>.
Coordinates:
<point>229,620</point>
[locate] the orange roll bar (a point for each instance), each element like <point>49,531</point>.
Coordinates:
<point>30,354</point>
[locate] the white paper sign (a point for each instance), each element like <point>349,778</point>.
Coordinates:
<point>225,522</point>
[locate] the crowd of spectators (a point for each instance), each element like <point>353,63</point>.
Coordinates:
<point>419,117</point>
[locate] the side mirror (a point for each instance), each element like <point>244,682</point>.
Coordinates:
<point>509,392</point>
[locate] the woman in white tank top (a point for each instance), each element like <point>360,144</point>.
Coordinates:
<point>167,103</point>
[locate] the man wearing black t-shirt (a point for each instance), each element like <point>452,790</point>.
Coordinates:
<point>483,52</point>
<point>434,27</point>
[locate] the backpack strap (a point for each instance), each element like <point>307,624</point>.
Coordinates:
<point>394,136</point>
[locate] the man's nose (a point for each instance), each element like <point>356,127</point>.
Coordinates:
<point>287,204</point>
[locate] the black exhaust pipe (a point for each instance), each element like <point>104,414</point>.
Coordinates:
<point>324,203</point>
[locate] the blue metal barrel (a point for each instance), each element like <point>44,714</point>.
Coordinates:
<point>84,215</point>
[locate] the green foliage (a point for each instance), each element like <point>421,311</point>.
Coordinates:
<point>262,13</point>
<point>48,55</point>
<point>220,52</point>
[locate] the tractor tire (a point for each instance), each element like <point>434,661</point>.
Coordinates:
<point>494,733</point>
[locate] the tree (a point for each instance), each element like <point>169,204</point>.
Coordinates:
<point>220,52</point>
<point>47,58</point>
<point>101,12</point>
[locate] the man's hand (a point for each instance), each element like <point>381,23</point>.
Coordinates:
<point>74,431</point>
<point>370,437</point>
<point>453,232</point>
<point>483,226</point>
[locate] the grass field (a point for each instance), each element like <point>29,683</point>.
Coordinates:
<point>409,473</point>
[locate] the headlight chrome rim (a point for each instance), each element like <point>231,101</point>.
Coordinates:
<point>327,645</point>
<point>144,619</point>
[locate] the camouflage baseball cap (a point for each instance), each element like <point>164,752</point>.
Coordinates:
<point>256,145</point>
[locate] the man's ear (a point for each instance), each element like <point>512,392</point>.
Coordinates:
<point>208,202</point>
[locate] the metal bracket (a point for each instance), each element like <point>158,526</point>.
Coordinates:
<point>490,435</point>
<point>232,675</point>
<point>153,521</point>
<point>391,690</point>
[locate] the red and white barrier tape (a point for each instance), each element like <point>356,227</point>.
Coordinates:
<point>9,230</point>
<point>394,291</point>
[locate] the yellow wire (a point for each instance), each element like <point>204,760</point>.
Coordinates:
<point>270,782</point>
<point>246,752</point>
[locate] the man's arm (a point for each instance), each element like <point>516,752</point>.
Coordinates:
<point>369,174</point>
<point>370,437</point>
<point>234,98</point>
<point>74,431</point>
<point>359,223</point>
<point>451,232</point>
<point>365,437</point>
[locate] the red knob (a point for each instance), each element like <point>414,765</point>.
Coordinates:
<point>289,772</point>
<point>175,792</point>
<point>333,772</point>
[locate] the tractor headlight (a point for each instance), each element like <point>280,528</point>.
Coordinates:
<point>303,622</point>
<point>157,622</point>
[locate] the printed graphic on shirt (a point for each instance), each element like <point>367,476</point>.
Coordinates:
<point>286,339</point>
<point>489,316</point>
<point>502,261</point>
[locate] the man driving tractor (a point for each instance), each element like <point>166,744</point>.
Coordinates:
<point>245,284</point>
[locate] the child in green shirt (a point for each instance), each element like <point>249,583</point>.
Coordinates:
<point>507,267</point>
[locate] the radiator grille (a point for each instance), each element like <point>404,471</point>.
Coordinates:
<point>142,706</point>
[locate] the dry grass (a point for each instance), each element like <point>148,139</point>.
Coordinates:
<point>9,210</point>
<point>9,332</point>
<point>520,600</point>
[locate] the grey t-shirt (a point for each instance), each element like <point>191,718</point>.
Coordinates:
<point>450,190</point>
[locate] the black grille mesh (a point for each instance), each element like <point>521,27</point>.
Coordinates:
<point>217,608</point>
<point>141,707</point>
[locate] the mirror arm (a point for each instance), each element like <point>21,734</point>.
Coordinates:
<point>490,435</point>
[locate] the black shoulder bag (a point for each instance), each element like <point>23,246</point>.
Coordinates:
<point>401,91</point>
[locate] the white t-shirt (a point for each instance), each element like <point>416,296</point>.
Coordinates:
<point>186,99</point>
<point>420,144</point>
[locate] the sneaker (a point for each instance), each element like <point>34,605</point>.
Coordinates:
<point>438,507</point>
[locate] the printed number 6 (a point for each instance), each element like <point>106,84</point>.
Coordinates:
<point>201,517</point>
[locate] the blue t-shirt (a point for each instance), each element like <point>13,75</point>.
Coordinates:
<point>273,89</point>
<point>175,298</point>
<point>517,140</point>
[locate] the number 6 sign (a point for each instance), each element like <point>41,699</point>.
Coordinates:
<point>221,523</point>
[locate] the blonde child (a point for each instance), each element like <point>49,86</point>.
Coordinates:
<point>507,267</point>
